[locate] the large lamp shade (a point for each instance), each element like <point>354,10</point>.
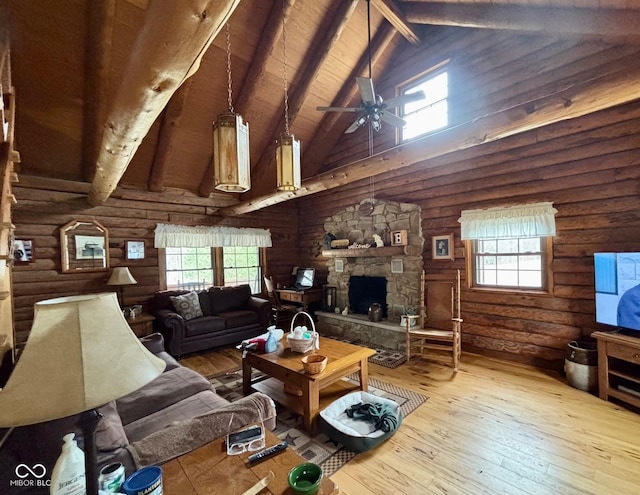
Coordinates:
<point>80,355</point>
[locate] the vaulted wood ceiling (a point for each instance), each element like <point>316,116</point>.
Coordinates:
<point>125,91</point>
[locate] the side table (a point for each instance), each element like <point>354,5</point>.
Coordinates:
<point>142,324</point>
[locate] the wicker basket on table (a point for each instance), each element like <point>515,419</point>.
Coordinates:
<point>302,345</point>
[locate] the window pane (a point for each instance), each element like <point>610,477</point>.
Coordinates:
<point>188,268</point>
<point>242,266</point>
<point>517,263</point>
<point>430,113</point>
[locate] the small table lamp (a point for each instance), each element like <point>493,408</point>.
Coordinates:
<point>121,276</point>
<point>80,355</point>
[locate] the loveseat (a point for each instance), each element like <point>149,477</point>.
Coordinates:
<point>221,316</point>
<point>175,413</point>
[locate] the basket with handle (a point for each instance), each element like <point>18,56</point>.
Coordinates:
<point>302,345</point>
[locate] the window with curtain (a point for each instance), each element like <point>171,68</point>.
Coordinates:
<point>510,248</point>
<point>202,256</point>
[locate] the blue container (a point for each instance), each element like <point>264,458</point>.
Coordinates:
<point>146,481</point>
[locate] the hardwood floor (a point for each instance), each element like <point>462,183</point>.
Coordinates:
<point>494,428</point>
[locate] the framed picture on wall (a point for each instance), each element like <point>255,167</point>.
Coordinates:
<point>134,250</point>
<point>442,247</point>
<point>23,250</point>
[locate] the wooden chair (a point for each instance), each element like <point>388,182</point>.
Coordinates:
<point>440,324</point>
<point>281,313</point>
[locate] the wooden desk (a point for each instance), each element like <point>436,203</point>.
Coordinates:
<point>210,470</point>
<point>303,297</point>
<point>318,391</point>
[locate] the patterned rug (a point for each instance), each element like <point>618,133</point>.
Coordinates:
<point>384,356</point>
<point>318,449</point>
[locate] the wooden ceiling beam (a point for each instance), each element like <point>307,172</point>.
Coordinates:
<point>257,69</point>
<point>329,34</point>
<point>100,23</point>
<point>164,56</point>
<point>606,23</point>
<point>394,14</point>
<point>579,98</point>
<point>170,120</point>
<point>328,132</point>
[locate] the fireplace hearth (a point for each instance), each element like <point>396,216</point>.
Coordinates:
<point>364,291</point>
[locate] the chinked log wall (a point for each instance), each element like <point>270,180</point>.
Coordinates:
<point>44,205</point>
<point>588,167</point>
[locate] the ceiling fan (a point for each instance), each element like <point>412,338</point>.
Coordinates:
<point>372,107</point>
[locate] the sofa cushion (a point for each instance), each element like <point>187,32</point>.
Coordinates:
<point>110,434</point>
<point>239,318</point>
<point>187,305</point>
<point>170,387</point>
<point>205,302</point>
<point>195,405</point>
<point>229,298</point>
<point>204,326</point>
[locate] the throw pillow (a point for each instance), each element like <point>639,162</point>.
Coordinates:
<point>187,305</point>
<point>110,434</point>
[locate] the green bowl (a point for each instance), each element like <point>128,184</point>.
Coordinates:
<point>305,478</point>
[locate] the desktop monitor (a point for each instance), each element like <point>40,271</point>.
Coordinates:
<point>305,278</point>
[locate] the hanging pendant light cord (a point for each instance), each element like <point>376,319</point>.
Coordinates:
<point>284,72</point>
<point>229,91</point>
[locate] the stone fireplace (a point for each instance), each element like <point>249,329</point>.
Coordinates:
<point>358,224</point>
<point>364,291</point>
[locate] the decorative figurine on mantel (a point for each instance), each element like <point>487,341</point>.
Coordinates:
<point>326,240</point>
<point>378,240</point>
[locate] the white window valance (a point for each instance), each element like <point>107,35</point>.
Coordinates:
<point>532,220</point>
<point>202,236</point>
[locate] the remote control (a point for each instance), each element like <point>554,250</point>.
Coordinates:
<point>268,452</point>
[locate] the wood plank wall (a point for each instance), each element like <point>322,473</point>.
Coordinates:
<point>44,205</point>
<point>588,167</point>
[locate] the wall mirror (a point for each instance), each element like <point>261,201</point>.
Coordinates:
<point>84,246</point>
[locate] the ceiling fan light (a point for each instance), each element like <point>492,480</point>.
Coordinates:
<point>231,162</point>
<point>288,163</point>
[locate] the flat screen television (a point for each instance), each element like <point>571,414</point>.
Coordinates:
<point>617,285</point>
<point>305,278</point>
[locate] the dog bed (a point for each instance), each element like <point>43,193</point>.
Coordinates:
<point>357,434</point>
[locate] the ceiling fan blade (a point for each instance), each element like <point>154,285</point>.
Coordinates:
<point>359,122</point>
<point>338,109</point>
<point>392,119</point>
<point>367,94</point>
<point>403,99</point>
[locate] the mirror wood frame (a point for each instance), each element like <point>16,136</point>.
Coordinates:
<point>74,260</point>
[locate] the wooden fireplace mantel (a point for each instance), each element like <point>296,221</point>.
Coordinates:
<point>365,252</point>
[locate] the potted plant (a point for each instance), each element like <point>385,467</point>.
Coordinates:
<point>408,311</point>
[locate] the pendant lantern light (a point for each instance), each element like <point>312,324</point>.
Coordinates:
<point>288,148</point>
<point>231,161</point>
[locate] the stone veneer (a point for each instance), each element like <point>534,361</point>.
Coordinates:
<point>403,289</point>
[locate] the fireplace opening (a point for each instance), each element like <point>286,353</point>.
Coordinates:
<point>364,291</point>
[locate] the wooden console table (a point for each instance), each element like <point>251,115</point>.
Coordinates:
<point>619,367</point>
<point>210,470</point>
<point>303,297</point>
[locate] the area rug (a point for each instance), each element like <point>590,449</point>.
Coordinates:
<point>389,358</point>
<point>318,449</point>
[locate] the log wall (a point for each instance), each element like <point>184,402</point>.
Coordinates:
<point>44,205</point>
<point>588,167</point>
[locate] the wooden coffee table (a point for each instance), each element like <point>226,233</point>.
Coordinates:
<point>318,391</point>
<point>209,470</point>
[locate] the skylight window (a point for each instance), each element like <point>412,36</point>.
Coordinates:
<point>430,113</point>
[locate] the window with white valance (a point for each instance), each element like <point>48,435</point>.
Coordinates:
<point>202,236</point>
<point>532,220</point>
<point>510,248</point>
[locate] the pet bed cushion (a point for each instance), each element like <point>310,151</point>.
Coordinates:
<point>356,434</point>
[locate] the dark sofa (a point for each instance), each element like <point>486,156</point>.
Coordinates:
<point>173,414</point>
<point>229,316</point>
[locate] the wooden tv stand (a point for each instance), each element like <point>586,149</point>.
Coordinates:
<point>619,367</point>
